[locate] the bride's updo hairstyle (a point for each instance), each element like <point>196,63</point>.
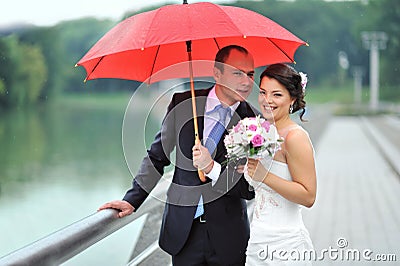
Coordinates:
<point>291,79</point>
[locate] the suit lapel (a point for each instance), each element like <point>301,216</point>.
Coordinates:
<point>237,115</point>
<point>201,98</point>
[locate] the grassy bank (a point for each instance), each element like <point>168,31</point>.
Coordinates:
<point>119,100</point>
<point>95,100</point>
<point>329,94</point>
<point>343,97</point>
<point>343,101</point>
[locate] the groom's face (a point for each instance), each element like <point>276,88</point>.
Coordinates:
<point>235,81</point>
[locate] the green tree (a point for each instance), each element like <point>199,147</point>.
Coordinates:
<point>78,37</point>
<point>48,39</point>
<point>3,93</point>
<point>10,59</point>
<point>33,72</point>
<point>22,72</point>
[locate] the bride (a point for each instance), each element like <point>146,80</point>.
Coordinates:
<point>285,183</point>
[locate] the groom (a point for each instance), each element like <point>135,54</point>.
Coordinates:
<point>203,223</point>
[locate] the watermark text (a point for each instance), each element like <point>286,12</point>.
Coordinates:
<point>341,252</point>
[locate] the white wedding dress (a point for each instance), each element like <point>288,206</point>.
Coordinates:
<point>277,232</point>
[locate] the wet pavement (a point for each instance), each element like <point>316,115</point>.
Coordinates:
<point>356,210</point>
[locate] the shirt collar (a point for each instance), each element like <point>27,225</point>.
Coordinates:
<point>213,101</point>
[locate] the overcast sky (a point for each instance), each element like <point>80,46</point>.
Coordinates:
<point>50,12</point>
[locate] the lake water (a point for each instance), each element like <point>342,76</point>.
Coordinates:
<point>58,164</point>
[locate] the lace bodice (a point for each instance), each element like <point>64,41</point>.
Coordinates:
<point>270,207</point>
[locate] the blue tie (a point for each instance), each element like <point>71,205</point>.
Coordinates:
<point>218,129</point>
<point>211,144</point>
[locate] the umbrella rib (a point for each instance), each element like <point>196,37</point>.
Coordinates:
<point>94,68</point>
<point>154,63</point>
<point>291,60</point>
<point>215,40</point>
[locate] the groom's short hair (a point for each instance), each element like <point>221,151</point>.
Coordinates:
<point>223,54</point>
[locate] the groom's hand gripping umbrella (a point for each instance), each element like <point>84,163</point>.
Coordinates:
<point>141,45</point>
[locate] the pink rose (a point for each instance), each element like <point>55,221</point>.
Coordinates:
<point>265,125</point>
<point>253,127</point>
<point>257,140</point>
<point>236,129</point>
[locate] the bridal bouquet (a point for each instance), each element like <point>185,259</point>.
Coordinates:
<point>252,137</point>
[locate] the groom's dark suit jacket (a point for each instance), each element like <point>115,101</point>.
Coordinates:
<point>225,207</point>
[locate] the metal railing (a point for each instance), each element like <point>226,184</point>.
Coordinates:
<point>64,244</point>
<point>145,254</point>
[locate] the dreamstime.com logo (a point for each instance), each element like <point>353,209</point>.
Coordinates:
<point>339,253</point>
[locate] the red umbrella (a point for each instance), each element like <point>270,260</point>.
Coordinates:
<point>144,44</point>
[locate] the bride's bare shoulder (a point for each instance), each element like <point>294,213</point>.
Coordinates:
<point>297,138</point>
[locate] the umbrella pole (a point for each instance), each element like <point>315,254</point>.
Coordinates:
<point>196,127</point>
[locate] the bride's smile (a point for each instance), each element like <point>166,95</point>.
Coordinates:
<point>274,100</point>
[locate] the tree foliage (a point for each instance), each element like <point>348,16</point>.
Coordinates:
<point>43,58</point>
<point>23,72</point>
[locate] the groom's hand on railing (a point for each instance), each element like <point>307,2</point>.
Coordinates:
<point>124,207</point>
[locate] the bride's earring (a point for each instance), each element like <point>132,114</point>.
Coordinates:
<point>291,109</point>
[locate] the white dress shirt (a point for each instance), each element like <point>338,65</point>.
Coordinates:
<point>211,117</point>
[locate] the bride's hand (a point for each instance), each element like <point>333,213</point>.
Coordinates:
<point>256,170</point>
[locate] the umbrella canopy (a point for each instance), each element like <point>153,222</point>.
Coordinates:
<point>146,43</point>
<point>188,36</point>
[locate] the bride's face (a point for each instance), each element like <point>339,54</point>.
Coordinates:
<point>274,100</point>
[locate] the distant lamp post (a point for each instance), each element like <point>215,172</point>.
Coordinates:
<point>374,41</point>
<point>357,74</point>
<point>344,65</point>
<point>343,60</point>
